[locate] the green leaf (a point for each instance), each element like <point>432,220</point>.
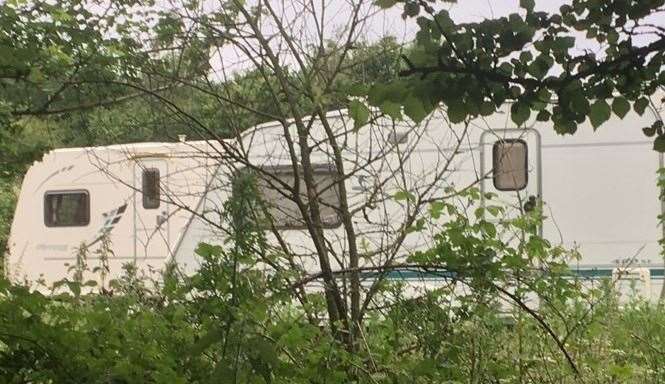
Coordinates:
<point>392,109</point>
<point>488,228</point>
<point>620,106</point>
<point>612,37</point>
<point>528,4</point>
<point>404,195</point>
<point>520,113</point>
<point>540,66</point>
<point>487,108</point>
<point>411,9</point>
<point>525,57</point>
<point>385,3</point>
<point>74,287</point>
<point>564,43</point>
<point>414,109</point>
<point>358,90</point>
<point>376,94</point>
<point>506,68</point>
<point>649,131</point>
<point>641,105</point>
<point>207,250</point>
<point>359,113</point>
<point>543,115</point>
<point>659,144</point>
<point>436,209</point>
<point>456,111</point>
<point>444,21</point>
<point>600,112</point>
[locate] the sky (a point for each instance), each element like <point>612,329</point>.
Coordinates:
<point>378,24</point>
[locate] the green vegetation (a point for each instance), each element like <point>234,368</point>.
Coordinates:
<point>232,323</point>
<point>169,337</point>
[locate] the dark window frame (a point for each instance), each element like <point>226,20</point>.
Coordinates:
<point>495,149</point>
<point>46,207</point>
<point>148,200</point>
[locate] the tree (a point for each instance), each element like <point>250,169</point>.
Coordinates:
<point>300,79</point>
<point>532,60</point>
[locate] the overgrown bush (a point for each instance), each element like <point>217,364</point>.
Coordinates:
<point>231,322</point>
<point>204,329</point>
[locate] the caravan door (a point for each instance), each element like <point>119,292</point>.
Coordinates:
<point>511,168</point>
<point>151,225</point>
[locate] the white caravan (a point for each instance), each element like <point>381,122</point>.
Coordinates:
<point>157,201</point>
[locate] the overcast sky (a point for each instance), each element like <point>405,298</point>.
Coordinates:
<point>386,23</point>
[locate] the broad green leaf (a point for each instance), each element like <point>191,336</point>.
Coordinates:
<point>659,144</point>
<point>487,108</point>
<point>600,112</point>
<point>358,90</point>
<point>404,195</point>
<point>411,9</point>
<point>456,111</point>
<point>414,109</point>
<point>436,209</point>
<point>620,106</point>
<point>540,66</point>
<point>385,3</point>
<point>392,109</point>
<point>528,4</point>
<point>359,112</point>
<point>641,105</point>
<point>519,113</point>
<point>488,228</point>
<point>526,57</point>
<point>649,131</point>
<point>444,21</point>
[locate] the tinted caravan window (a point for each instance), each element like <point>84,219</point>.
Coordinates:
<point>150,188</point>
<point>66,209</point>
<point>284,211</point>
<point>510,165</point>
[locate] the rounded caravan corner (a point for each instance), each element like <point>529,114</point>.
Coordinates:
<point>106,175</point>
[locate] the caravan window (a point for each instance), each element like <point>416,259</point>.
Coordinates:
<point>150,188</point>
<point>510,164</point>
<point>66,209</point>
<point>284,211</point>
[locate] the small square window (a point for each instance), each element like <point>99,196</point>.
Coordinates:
<point>510,159</point>
<point>66,209</point>
<point>151,190</point>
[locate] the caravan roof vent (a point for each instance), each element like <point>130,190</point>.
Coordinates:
<point>182,138</point>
